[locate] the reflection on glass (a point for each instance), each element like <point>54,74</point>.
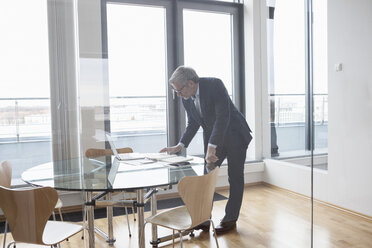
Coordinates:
<point>289,122</point>
<point>207,48</point>
<point>137,76</point>
<point>288,85</point>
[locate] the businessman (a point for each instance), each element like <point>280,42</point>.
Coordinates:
<point>226,133</point>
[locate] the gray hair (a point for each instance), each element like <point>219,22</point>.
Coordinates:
<point>183,74</point>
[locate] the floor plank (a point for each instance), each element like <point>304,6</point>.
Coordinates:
<point>270,217</point>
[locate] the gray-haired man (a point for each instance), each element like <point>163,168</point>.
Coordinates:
<point>226,133</point>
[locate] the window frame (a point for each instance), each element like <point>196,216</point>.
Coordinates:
<point>176,117</point>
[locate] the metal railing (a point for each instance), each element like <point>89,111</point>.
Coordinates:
<point>29,119</point>
<point>24,118</point>
<point>289,109</point>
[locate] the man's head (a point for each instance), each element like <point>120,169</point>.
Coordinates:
<point>184,81</point>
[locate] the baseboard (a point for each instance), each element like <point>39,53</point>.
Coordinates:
<point>345,210</point>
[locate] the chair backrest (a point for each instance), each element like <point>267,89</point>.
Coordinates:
<point>94,152</point>
<point>197,194</point>
<point>27,212</point>
<point>5,174</point>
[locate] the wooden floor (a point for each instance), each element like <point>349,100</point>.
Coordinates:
<point>270,217</point>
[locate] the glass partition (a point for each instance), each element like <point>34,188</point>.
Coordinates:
<point>289,94</point>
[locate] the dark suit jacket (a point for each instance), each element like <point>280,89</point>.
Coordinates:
<point>222,123</point>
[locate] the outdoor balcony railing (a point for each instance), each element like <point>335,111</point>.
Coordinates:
<point>29,119</point>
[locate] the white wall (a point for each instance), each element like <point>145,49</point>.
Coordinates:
<point>348,182</point>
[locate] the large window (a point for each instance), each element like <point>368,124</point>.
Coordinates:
<point>136,42</point>
<point>145,41</point>
<point>25,120</point>
<point>291,61</point>
<point>72,71</point>
<point>208,48</point>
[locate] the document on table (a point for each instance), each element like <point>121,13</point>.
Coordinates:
<point>141,162</point>
<point>156,160</point>
<point>159,156</point>
<point>176,159</point>
<point>129,165</point>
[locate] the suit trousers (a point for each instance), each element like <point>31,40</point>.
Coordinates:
<point>235,167</point>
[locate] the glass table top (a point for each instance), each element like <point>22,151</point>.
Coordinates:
<point>107,173</point>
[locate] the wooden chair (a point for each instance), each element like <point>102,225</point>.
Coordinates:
<point>93,153</point>
<point>28,211</point>
<point>197,194</point>
<point>5,181</point>
<point>5,174</point>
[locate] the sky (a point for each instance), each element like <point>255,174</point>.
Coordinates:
<point>137,48</point>
<point>24,61</point>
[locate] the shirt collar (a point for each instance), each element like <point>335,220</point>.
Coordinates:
<point>196,94</point>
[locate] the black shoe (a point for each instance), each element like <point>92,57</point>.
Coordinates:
<point>225,227</point>
<point>203,226</point>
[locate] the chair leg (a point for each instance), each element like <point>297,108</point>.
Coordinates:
<point>60,214</point>
<point>180,238</point>
<point>5,232</point>
<point>11,243</point>
<point>214,233</point>
<point>134,214</point>
<point>173,238</point>
<point>54,216</point>
<point>84,221</point>
<point>130,196</point>
<point>126,214</point>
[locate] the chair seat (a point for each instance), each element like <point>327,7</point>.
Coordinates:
<point>56,231</point>
<point>176,218</point>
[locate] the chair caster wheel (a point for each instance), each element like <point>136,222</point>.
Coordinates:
<point>192,234</point>
<point>130,235</point>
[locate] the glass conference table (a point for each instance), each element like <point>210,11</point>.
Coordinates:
<point>107,175</point>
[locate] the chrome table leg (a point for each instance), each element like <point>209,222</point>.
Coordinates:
<point>111,240</point>
<point>154,208</point>
<point>90,213</point>
<point>141,219</point>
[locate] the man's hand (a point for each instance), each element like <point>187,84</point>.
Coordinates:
<point>172,149</point>
<point>211,155</point>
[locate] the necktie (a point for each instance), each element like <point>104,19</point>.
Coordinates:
<point>197,105</point>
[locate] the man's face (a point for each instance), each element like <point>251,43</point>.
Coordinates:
<point>184,90</point>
